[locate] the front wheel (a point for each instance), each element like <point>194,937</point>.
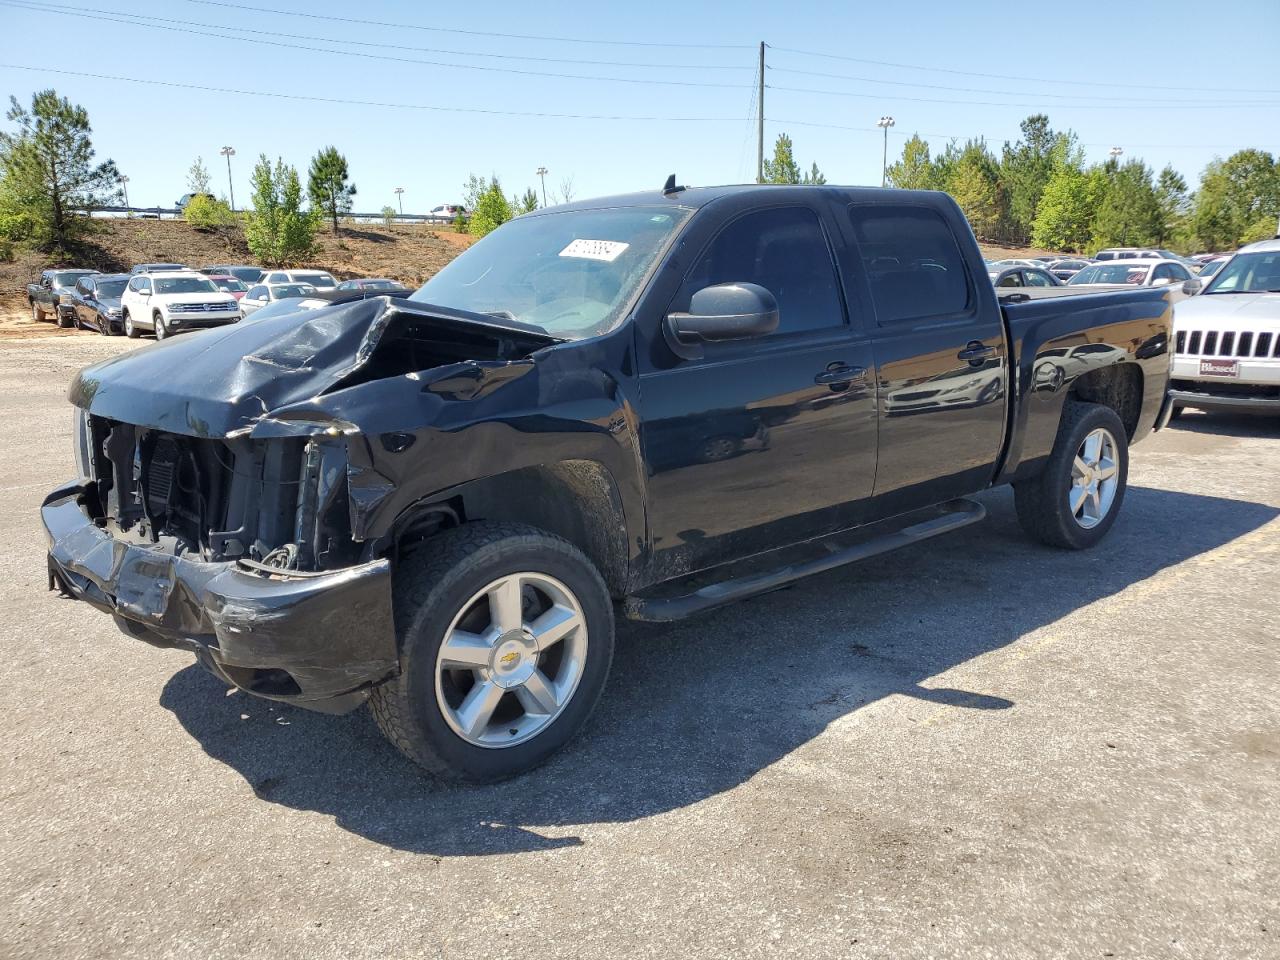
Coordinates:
<point>157,321</point>
<point>64,321</point>
<point>130,330</point>
<point>506,637</point>
<point>1074,501</point>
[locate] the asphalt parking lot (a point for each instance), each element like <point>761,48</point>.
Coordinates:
<point>977,747</point>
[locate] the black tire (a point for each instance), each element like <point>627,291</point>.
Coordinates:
<point>37,312</point>
<point>1042,501</point>
<point>65,322</point>
<point>430,588</point>
<point>157,323</point>
<point>104,325</point>
<point>130,330</point>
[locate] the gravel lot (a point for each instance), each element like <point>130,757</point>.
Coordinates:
<point>973,748</point>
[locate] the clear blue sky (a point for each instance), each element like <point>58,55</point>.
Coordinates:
<point>1164,82</point>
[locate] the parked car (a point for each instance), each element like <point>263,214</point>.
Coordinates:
<point>157,267</point>
<point>320,279</point>
<point>371,283</point>
<point>241,271</point>
<point>1227,340</point>
<point>1014,262</point>
<point>261,294</point>
<point>433,504</point>
<point>448,211</point>
<point>228,284</point>
<point>168,302</point>
<point>1021,276</point>
<point>1212,265</point>
<point>1066,268</point>
<point>1141,253</point>
<point>284,306</point>
<point>96,302</point>
<point>1137,273</point>
<point>51,295</point>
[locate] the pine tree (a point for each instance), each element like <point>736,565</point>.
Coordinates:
<point>914,171</point>
<point>328,184</point>
<point>783,167</point>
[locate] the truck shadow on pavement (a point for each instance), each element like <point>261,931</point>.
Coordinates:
<point>697,708</point>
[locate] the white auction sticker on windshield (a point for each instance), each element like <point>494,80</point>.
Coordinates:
<point>606,250</point>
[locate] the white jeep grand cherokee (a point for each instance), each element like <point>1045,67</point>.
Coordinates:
<point>1227,339</point>
<point>172,301</point>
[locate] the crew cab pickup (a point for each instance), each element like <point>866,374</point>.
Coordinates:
<point>1227,340</point>
<point>651,404</point>
<point>51,295</point>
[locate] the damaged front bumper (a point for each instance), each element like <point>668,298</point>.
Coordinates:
<point>318,640</point>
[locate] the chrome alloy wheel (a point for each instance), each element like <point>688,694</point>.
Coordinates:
<point>511,660</point>
<point>1095,476</point>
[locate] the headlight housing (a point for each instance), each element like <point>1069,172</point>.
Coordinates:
<point>82,435</point>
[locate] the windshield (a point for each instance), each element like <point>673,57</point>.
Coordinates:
<point>184,285</point>
<point>229,284</point>
<point>1209,269</point>
<point>1109,273</point>
<point>1248,273</point>
<point>69,279</point>
<point>281,290</point>
<point>570,274</point>
<point>112,288</point>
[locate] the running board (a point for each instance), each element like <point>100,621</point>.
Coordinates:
<point>957,514</point>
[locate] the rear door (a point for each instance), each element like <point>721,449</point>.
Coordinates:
<point>940,352</point>
<point>761,442</point>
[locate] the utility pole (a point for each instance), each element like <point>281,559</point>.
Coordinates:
<point>400,199</point>
<point>886,123</point>
<point>230,152</point>
<point>542,172</point>
<point>760,123</point>
<point>124,183</point>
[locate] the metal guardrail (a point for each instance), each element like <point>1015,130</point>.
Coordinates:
<point>159,213</point>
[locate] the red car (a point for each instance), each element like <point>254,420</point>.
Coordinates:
<point>229,284</point>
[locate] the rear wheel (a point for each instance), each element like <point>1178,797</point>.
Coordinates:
<point>506,637</point>
<point>1074,501</point>
<point>37,312</point>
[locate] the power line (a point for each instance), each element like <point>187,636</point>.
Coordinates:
<point>1006,93</point>
<point>1110,84</point>
<point>1182,105</point>
<point>377,56</point>
<point>142,20</point>
<point>476,33</point>
<point>362,103</point>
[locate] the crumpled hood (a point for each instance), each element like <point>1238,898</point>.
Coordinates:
<point>222,381</point>
<point>1229,311</point>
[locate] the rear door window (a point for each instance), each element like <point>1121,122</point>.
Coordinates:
<point>913,264</point>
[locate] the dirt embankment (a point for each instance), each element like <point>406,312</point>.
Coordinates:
<point>409,253</point>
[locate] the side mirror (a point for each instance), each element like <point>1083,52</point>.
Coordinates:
<point>1192,287</point>
<point>726,311</point>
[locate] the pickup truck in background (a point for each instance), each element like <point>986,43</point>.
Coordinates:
<point>652,404</point>
<point>52,295</point>
<point>1227,346</point>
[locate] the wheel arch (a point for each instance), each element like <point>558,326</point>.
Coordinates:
<point>1119,387</point>
<point>578,500</point>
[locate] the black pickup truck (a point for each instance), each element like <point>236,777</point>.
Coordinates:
<point>650,404</point>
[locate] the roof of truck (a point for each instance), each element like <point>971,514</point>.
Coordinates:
<point>701,196</point>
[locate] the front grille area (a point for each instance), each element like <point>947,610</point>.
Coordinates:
<point>1246,344</point>
<point>221,307</point>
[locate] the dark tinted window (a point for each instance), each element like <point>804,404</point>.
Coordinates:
<point>1035,278</point>
<point>1012,279</point>
<point>784,251</point>
<point>913,263</point>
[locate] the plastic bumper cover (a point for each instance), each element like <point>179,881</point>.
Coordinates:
<point>317,640</point>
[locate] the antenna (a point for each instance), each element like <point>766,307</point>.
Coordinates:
<point>670,187</point>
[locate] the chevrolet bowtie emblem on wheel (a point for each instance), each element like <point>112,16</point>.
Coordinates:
<point>509,658</point>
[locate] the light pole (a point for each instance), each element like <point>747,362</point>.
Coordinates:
<point>885,123</point>
<point>124,184</point>
<point>1116,153</point>
<point>400,199</point>
<point>542,173</point>
<point>230,152</point>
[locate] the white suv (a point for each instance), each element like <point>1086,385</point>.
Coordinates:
<point>1227,340</point>
<point>172,301</point>
<point>320,279</point>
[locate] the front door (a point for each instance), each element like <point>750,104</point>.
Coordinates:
<point>765,441</point>
<point>940,349</point>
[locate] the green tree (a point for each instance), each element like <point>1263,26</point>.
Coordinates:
<point>1171,196</point>
<point>47,168</point>
<point>492,210</point>
<point>205,213</point>
<point>388,215</point>
<point>814,176</point>
<point>782,168</point>
<point>526,203</point>
<point>198,177</point>
<point>914,170</point>
<point>1025,169</point>
<point>329,186</point>
<point>1238,197</point>
<point>1068,207</point>
<point>974,184</point>
<point>278,233</point>
<point>1129,214</point>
